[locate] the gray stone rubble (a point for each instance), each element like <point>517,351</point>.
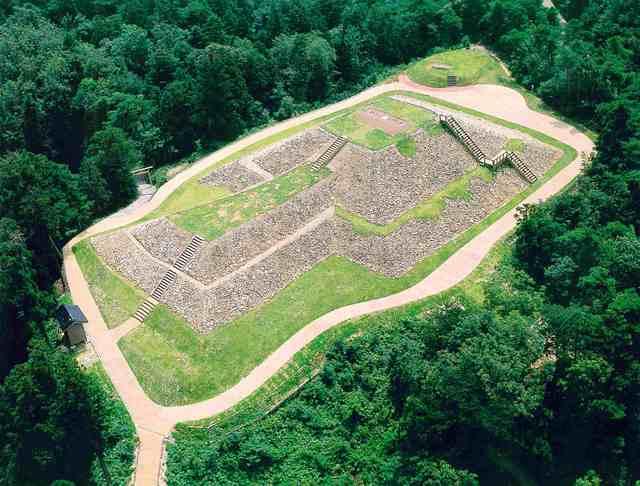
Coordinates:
<point>120,252</point>
<point>294,151</point>
<point>380,186</point>
<point>235,248</point>
<point>162,238</point>
<point>233,176</point>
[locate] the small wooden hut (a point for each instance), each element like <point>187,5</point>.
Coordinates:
<point>71,320</point>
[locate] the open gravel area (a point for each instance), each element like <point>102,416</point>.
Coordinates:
<point>234,176</point>
<point>382,185</point>
<point>120,252</point>
<point>163,239</point>
<point>294,151</point>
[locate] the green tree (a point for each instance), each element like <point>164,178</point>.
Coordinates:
<point>223,104</point>
<point>50,419</point>
<point>45,200</point>
<point>106,170</point>
<point>21,301</point>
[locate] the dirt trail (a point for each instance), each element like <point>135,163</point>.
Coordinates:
<point>154,421</point>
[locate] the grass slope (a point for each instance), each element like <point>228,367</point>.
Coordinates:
<point>471,66</point>
<point>120,436</point>
<point>214,219</point>
<point>117,299</point>
<point>177,366</point>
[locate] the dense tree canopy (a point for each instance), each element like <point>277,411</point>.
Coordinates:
<point>543,374</point>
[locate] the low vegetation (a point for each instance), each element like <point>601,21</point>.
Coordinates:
<point>514,145</point>
<point>116,298</point>
<point>213,219</point>
<point>429,208</point>
<point>470,66</point>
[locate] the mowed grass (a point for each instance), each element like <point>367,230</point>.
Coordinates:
<point>117,299</point>
<point>471,66</point>
<point>212,220</point>
<point>310,358</point>
<point>514,145</point>
<point>429,208</point>
<point>356,130</point>
<point>177,366</point>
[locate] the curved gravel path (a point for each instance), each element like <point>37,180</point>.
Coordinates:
<point>153,421</point>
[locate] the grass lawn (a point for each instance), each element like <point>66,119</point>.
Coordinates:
<point>471,66</point>
<point>117,299</point>
<point>212,220</point>
<point>351,127</point>
<point>429,208</point>
<point>177,366</point>
<point>310,358</point>
<point>514,145</point>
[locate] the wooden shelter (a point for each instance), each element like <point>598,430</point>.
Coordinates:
<point>71,320</point>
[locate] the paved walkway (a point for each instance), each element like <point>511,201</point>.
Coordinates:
<point>154,421</point>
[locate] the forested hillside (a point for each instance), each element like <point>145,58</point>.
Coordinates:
<point>92,89</point>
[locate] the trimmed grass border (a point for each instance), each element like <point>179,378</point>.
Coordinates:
<point>116,297</point>
<point>428,208</point>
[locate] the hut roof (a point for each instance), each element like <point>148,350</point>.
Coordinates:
<point>70,314</point>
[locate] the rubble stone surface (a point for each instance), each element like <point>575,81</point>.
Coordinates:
<point>377,185</point>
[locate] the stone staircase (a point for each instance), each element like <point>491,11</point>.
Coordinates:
<point>144,310</point>
<point>329,154</point>
<point>168,278</point>
<point>503,157</point>
<point>452,80</point>
<point>188,253</point>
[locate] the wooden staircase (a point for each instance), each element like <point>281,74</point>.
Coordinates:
<point>188,253</point>
<point>168,278</point>
<point>521,167</point>
<point>144,310</point>
<point>454,127</point>
<point>329,154</point>
<point>452,80</point>
<point>511,157</point>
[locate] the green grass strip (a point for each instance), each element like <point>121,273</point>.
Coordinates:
<point>428,208</point>
<point>117,299</point>
<point>214,219</point>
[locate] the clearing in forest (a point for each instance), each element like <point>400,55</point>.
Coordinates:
<point>271,243</point>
